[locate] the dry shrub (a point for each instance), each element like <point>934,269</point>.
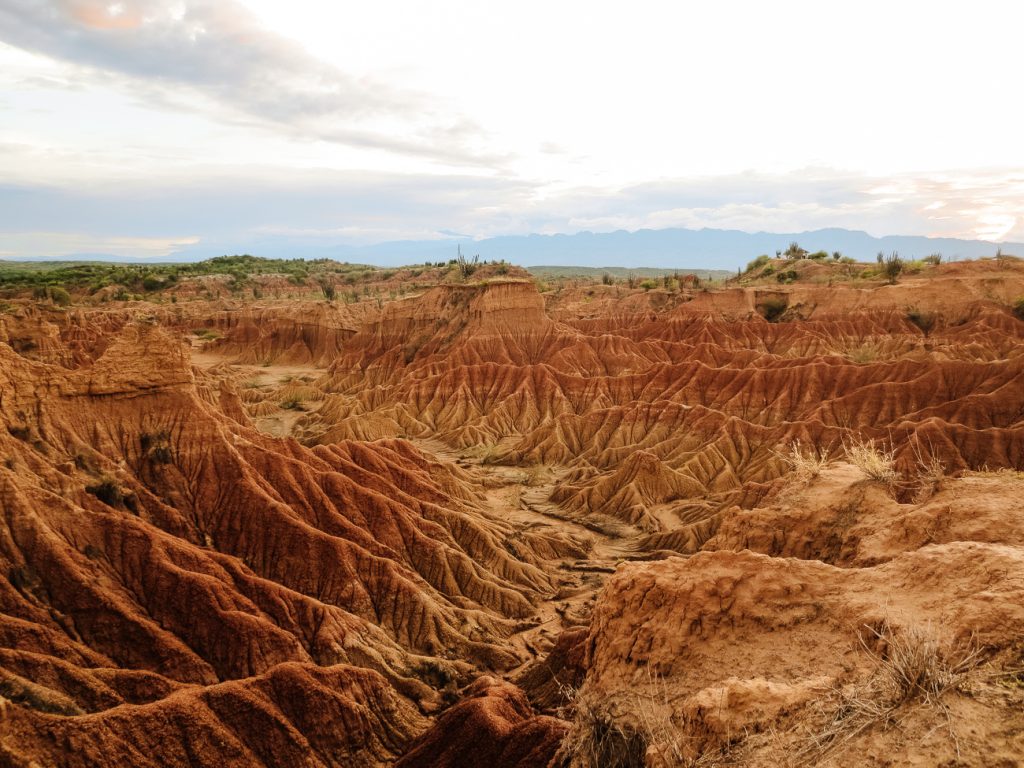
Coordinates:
<point>632,730</point>
<point>535,476</point>
<point>915,666</point>
<point>600,740</point>
<point>877,463</point>
<point>861,353</point>
<point>805,461</point>
<point>930,474</point>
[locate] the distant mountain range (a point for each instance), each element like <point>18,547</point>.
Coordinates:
<point>659,248</point>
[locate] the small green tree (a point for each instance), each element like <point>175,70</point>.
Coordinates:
<point>59,296</point>
<point>892,266</point>
<point>328,289</point>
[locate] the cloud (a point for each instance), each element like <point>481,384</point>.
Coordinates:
<point>966,204</point>
<point>330,204</point>
<point>298,210</point>
<point>220,50</point>
<point>46,244</point>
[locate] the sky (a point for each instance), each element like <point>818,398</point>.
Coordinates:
<point>141,128</point>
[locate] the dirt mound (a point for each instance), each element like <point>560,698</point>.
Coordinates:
<point>294,715</point>
<point>765,659</point>
<point>492,725</point>
<point>843,518</point>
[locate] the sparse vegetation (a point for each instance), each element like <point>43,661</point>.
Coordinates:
<point>761,261</point>
<point>535,475</point>
<point>914,666</point>
<point>931,472</point>
<point>794,251</point>
<point>639,728</point>
<point>787,276</point>
<point>875,462</point>
<point>156,446</point>
<point>108,491</point>
<point>327,289</point>
<point>467,266</point>
<point>861,353</point>
<point>59,296</point>
<point>59,281</point>
<point>207,334</point>
<point>892,267</point>
<point>1018,308</point>
<point>806,462</point>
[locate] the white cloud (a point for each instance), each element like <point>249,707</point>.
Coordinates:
<point>220,50</point>
<point>46,244</point>
<point>313,120</point>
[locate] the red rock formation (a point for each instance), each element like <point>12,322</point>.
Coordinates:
<point>156,547</point>
<point>493,725</point>
<point>184,588</point>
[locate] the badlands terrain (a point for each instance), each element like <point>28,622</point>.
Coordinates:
<point>280,514</point>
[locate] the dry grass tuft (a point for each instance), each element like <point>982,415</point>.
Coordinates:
<point>805,461</point>
<point>915,666</point>
<point>875,462</point>
<point>536,475</point>
<point>861,353</point>
<point>930,473</point>
<point>634,730</point>
<point>600,740</point>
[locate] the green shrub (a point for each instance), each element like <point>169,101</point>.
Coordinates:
<point>1018,308</point>
<point>892,267</point>
<point>760,261</point>
<point>60,296</point>
<point>328,289</point>
<point>789,276</point>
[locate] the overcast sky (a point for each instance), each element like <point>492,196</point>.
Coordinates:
<point>139,127</point>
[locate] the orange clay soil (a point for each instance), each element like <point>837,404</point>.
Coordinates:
<point>478,524</point>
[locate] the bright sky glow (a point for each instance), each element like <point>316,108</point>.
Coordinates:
<point>137,126</point>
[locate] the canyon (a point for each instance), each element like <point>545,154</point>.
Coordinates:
<point>480,519</point>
